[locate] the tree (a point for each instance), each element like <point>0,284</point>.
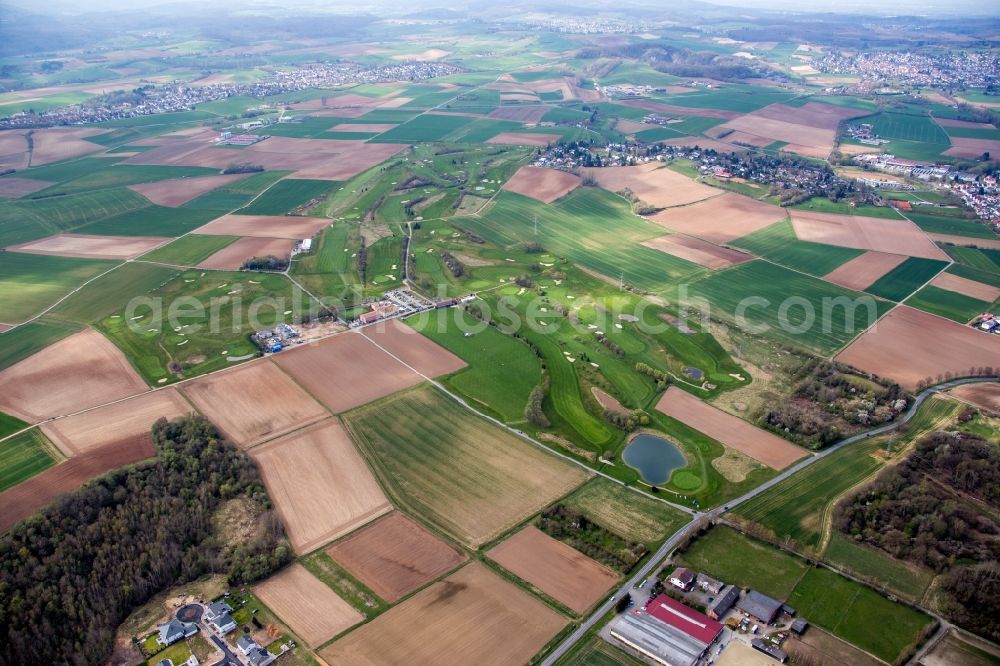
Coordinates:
<point>624,603</point>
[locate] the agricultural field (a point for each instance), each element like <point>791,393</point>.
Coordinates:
<point>473,616</point>
<point>779,244</point>
<point>311,609</point>
<point>30,284</point>
<point>629,514</point>
<point>426,127</point>
<point>287,195</point>
<point>950,224</point>
<point>189,250</point>
<point>111,291</point>
<point>501,371</point>
<point>320,485</point>
<point>729,556</point>
<point>948,304</point>
<point>857,614</point>
<point>21,342</point>
<point>24,455</point>
<point>394,556</point>
<point>725,290</point>
<point>905,278</point>
<point>558,570</point>
<point>461,474</point>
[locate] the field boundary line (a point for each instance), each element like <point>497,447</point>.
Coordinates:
<point>524,436</point>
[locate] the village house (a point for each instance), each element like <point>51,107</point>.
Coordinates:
<point>217,614</point>
<point>175,630</point>
<point>682,578</point>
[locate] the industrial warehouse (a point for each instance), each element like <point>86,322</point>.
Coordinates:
<point>668,632</point>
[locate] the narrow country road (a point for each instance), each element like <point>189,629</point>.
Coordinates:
<point>661,553</point>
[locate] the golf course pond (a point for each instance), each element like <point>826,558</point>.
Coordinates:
<point>653,457</point>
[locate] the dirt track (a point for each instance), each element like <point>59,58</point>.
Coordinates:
<point>394,556</point>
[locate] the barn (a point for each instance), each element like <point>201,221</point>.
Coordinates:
<point>667,631</point>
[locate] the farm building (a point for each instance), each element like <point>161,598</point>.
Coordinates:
<point>799,627</point>
<point>769,650</point>
<point>682,578</point>
<point>723,603</point>
<point>709,584</point>
<point>760,606</point>
<point>668,632</point>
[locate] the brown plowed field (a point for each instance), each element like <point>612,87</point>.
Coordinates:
<point>306,604</point>
<point>18,187</point>
<point>523,139</point>
<point>626,126</point>
<point>558,570</point>
<point>363,127</point>
<point>812,114</point>
<point>862,271</point>
<point>13,149</point>
<point>55,144</point>
<point>178,191</point>
<point>908,345</point>
<point>91,247</point>
<point>323,159</point>
<point>419,352</point>
<point>471,617</point>
<point>970,149</point>
<point>989,243</point>
<point>31,495</point>
<point>770,130</point>
<point>232,256</point>
<point>522,114</point>
<point>865,233</point>
<point>264,226</point>
<point>961,285</point>
<point>76,373</point>
<point>542,184</point>
<point>729,430</point>
<point>338,102</point>
<point>346,371</point>
<point>720,219</point>
<point>808,130</point>
<point>653,183</point>
<point>698,251</point>
<point>659,107</point>
<point>253,402</point>
<point>320,485</point>
<point>608,401</point>
<point>112,425</point>
<point>394,556</point>
<point>986,396</point>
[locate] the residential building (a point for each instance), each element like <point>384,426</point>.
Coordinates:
<point>709,584</point>
<point>175,630</point>
<point>681,578</point>
<point>217,614</point>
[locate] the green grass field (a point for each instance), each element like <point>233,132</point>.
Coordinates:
<point>901,578</point>
<point>806,325</point>
<point>119,175</point>
<point>957,307</point>
<point>112,292</point>
<point>189,250</point>
<point>628,514</point>
<point>906,278</point>
<point>425,127</point>
<point>214,326</point>
<point>288,194</point>
<point>982,259</point>
<point>462,474</point>
<point>986,277</point>
<point>779,244</point>
<point>236,194</point>
<point>9,425</point>
<point>20,343</point>
<point>795,509</point>
<point>151,221</point>
<point>27,219</point>
<point>957,226</point>
<point>502,370</point>
<point>726,554</point>
<point>22,456</point>
<point>857,614</point>
<point>29,283</point>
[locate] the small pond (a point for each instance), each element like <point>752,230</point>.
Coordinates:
<point>654,457</point>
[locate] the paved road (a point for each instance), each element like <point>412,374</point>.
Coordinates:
<point>228,658</point>
<point>662,551</point>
